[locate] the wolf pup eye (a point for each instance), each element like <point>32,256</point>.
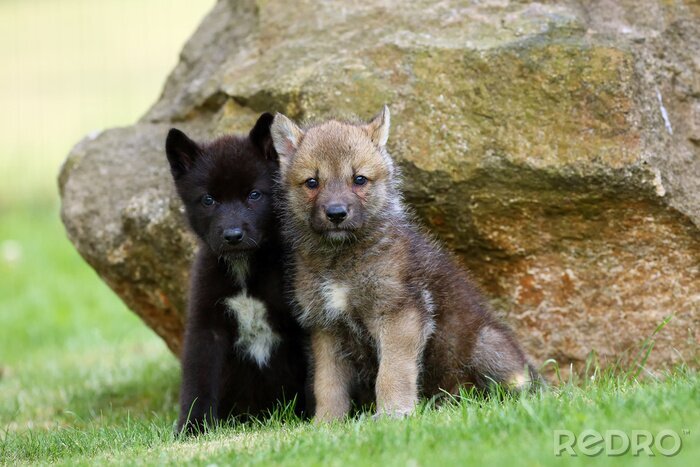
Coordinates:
<point>359,180</point>
<point>208,200</point>
<point>254,195</point>
<point>311,184</point>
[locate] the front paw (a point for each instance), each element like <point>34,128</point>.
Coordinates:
<point>398,413</point>
<point>190,427</point>
<point>194,425</point>
<point>327,416</point>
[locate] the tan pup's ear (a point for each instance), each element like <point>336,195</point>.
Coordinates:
<point>378,128</point>
<point>286,136</point>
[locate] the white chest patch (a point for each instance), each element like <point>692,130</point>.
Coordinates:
<point>255,336</point>
<point>335,295</point>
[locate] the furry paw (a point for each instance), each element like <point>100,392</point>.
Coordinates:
<point>328,416</point>
<point>393,414</point>
<point>189,428</point>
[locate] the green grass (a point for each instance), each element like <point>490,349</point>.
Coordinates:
<point>83,381</point>
<point>473,431</point>
<point>69,349</point>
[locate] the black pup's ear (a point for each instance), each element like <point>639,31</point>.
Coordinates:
<point>181,151</point>
<point>260,136</point>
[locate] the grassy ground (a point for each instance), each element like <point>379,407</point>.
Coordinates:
<point>83,381</point>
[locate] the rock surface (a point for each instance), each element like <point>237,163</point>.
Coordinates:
<point>554,145</point>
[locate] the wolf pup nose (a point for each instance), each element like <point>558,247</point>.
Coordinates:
<point>243,351</point>
<point>336,213</point>
<point>391,315</point>
<point>233,236</point>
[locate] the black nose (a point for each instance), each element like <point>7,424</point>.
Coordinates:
<point>336,213</point>
<point>233,235</point>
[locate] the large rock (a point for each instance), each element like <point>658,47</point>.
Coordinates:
<point>555,146</point>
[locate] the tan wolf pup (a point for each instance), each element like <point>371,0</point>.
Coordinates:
<point>391,315</point>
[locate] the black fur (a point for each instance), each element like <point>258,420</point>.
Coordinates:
<point>219,379</point>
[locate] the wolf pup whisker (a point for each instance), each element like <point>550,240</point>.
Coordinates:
<point>243,351</point>
<point>392,317</point>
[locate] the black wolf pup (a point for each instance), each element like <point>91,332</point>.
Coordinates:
<point>390,313</point>
<point>243,351</point>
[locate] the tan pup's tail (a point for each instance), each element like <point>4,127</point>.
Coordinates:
<point>497,358</point>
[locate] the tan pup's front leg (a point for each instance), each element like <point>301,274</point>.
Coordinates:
<point>401,342</point>
<point>331,377</point>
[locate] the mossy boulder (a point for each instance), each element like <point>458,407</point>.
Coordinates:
<point>554,146</point>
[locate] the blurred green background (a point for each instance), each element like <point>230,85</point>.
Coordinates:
<point>69,349</point>
<point>70,67</point>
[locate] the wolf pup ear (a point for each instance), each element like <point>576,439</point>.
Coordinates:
<point>261,137</point>
<point>378,128</point>
<point>181,152</point>
<point>286,136</point>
